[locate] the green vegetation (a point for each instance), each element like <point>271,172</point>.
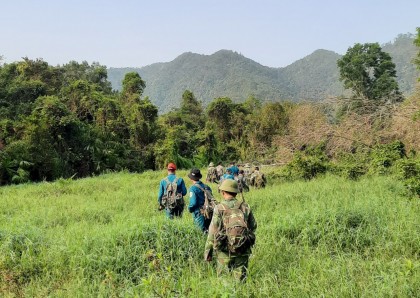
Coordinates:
<point>103,236</point>
<point>229,74</point>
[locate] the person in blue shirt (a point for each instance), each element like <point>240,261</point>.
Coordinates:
<point>197,200</point>
<point>227,175</point>
<point>234,169</point>
<point>176,208</point>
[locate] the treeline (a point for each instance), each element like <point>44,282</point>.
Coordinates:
<point>66,121</point>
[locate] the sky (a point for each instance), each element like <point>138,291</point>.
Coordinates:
<point>129,33</point>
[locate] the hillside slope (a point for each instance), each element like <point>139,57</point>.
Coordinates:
<point>228,73</point>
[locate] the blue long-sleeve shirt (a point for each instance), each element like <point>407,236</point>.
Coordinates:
<point>227,176</point>
<point>197,198</point>
<point>181,188</point>
<point>235,170</point>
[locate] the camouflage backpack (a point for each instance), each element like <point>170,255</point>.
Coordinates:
<point>238,236</point>
<point>212,175</point>
<point>259,180</point>
<point>209,203</point>
<point>171,198</point>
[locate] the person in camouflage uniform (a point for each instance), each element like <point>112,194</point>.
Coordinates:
<point>235,263</point>
<point>247,170</point>
<point>242,183</point>
<point>219,171</point>
<point>258,179</point>
<point>211,173</point>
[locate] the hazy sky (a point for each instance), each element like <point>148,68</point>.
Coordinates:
<point>138,33</point>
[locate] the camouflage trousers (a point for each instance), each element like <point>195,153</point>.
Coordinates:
<point>236,265</point>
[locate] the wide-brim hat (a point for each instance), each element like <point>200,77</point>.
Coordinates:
<point>211,164</point>
<point>229,185</point>
<point>195,174</point>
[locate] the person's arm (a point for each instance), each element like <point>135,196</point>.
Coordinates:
<point>252,223</point>
<point>183,187</point>
<point>161,192</point>
<point>213,230</point>
<point>193,201</point>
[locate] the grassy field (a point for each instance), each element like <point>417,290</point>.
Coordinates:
<point>103,237</point>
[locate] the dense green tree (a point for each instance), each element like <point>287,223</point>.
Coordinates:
<point>133,84</point>
<point>94,73</point>
<point>191,111</point>
<point>370,73</point>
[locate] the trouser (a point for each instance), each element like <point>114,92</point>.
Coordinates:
<point>237,265</point>
<point>201,222</point>
<point>177,211</point>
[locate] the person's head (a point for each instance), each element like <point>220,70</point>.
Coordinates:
<point>229,171</point>
<point>257,168</point>
<point>241,171</point>
<point>229,188</point>
<point>194,174</point>
<point>211,164</point>
<point>171,167</point>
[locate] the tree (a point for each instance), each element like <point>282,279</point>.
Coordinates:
<point>133,84</point>
<point>370,73</point>
<point>417,43</point>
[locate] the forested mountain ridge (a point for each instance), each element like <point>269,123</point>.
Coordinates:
<point>230,74</point>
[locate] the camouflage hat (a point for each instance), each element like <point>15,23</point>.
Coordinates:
<point>211,164</point>
<point>229,185</point>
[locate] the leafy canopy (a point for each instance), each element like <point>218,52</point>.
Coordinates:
<point>369,72</point>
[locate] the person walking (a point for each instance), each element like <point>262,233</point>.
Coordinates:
<point>258,179</point>
<point>231,233</point>
<point>220,170</point>
<point>211,173</point>
<point>172,190</point>
<point>197,199</point>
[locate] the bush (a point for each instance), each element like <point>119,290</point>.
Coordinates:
<point>307,164</point>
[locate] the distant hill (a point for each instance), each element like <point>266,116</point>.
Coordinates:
<point>230,74</point>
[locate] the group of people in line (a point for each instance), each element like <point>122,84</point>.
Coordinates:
<point>229,225</point>
<point>245,177</point>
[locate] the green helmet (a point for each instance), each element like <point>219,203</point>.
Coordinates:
<point>229,185</point>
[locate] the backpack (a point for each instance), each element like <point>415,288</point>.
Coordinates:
<point>171,198</point>
<point>209,203</point>
<point>238,237</point>
<point>259,180</point>
<point>212,175</point>
<point>242,186</point>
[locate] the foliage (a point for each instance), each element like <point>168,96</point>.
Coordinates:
<point>307,164</point>
<point>370,73</point>
<point>229,74</point>
<point>417,43</point>
<point>409,172</point>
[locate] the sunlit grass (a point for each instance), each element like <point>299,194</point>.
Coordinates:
<point>103,236</point>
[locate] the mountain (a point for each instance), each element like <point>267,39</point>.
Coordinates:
<point>230,74</point>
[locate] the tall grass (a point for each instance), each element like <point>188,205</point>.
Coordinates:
<point>103,236</point>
